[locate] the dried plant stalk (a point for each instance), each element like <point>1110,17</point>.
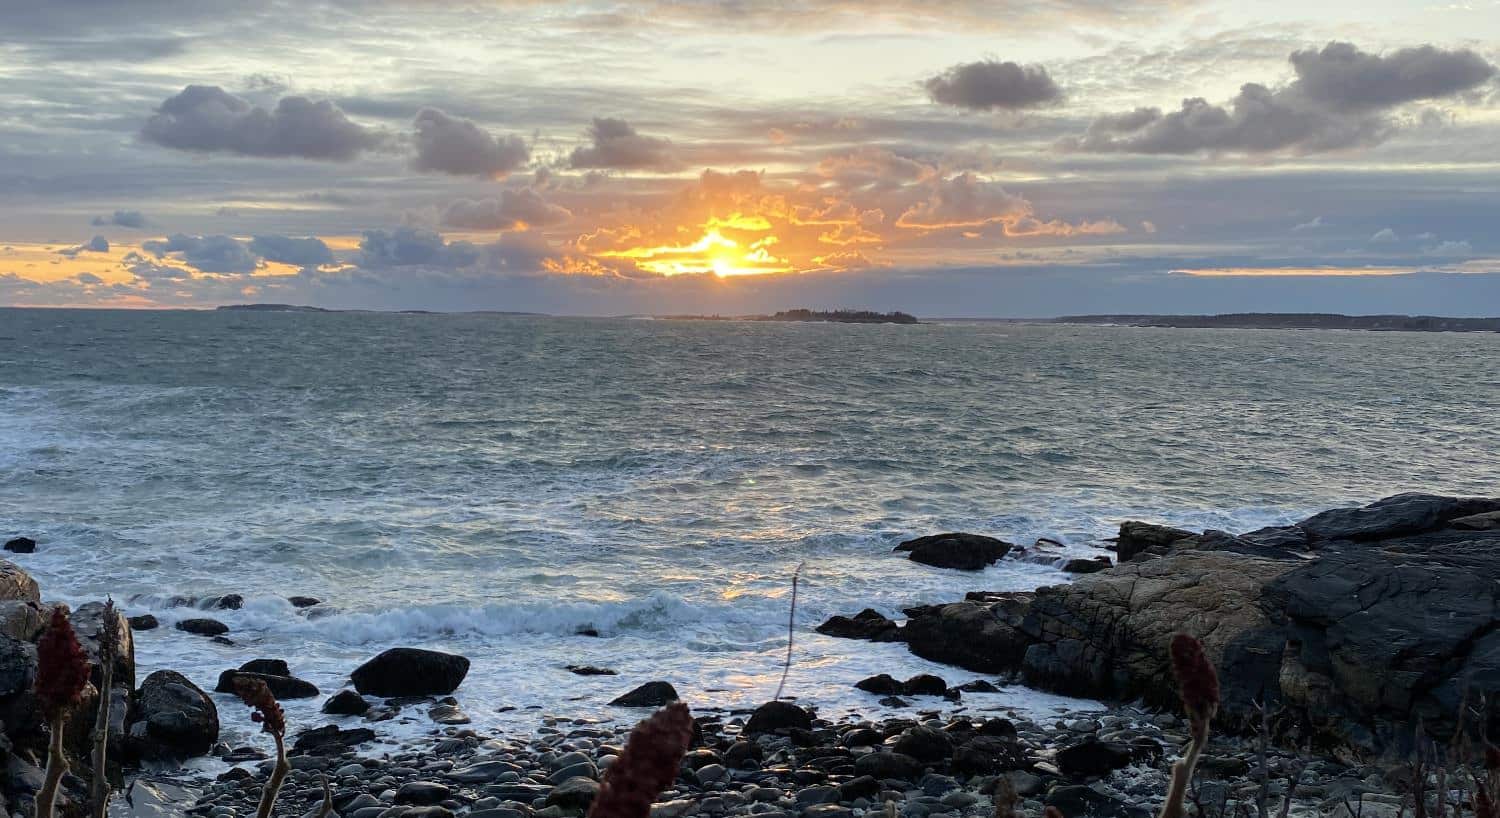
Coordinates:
<point>109,649</point>
<point>1198,684</point>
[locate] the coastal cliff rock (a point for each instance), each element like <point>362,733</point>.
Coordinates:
<point>1355,624</point>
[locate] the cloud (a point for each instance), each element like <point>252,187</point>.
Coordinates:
<point>448,144</point>
<point>97,244</point>
<point>302,252</point>
<point>1384,236</point>
<point>1340,99</point>
<point>411,246</point>
<point>1315,223</point>
<point>521,209</point>
<point>208,119</point>
<point>990,84</point>
<point>133,219</point>
<point>1449,248</point>
<point>964,201</point>
<point>1345,77</point>
<point>615,145</point>
<point>210,254</point>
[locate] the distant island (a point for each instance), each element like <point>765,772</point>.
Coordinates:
<point>1294,320</point>
<point>828,316</point>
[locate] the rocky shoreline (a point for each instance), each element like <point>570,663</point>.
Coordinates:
<point>1334,638</point>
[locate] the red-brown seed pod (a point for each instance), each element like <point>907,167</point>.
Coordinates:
<point>647,766</point>
<point>1197,681</point>
<point>62,667</point>
<point>268,713</point>
<point>1052,812</point>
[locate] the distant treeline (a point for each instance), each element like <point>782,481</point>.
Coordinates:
<point>1294,320</point>
<point>836,316</point>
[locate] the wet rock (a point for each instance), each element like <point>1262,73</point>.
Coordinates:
<point>1488,521</point>
<point>282,687</point>
<point>1092,757</point>
<point>270,667</point>
<point>650,694</point>
<point>575,793</point>
<point>883,765</point>
<point>21,545</point>
<point>144,622</point>
<point>1086,566</point>
<point>449,714</point>
<point>1396,516</point>
<point>1137,537</point>
<point>422,793</point>
<point>176,719</point>
<point>303,601</point>
<point>590,670</point>
<point>924,744</point>
<point>202,626</point>
<point>227,602</point>
<point>966,552</point>
<point>1077,801</point>
<point>346,703</point>
<point>410,672</point>
<point>979,686</point>
<point>331,740</point>
<point>986,755</point>
<point>778,715</point>
<point>868,624</point>
<point>924,684</point>
<point>882,685</point>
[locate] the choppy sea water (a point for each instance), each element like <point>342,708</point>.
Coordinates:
<point>491,485</point>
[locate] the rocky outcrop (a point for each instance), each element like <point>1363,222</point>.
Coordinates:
<point>88,624</point>
<point>1355,624</point>
<point>281,686</point>
<point>411,672</point>
<point>16,584</point>
<point>650,694</point>
<point>868,624</point>
<point>966,552</point>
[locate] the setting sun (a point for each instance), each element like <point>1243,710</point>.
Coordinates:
<point>712,253</point>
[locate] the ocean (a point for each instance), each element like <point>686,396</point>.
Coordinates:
<point>492,485</point>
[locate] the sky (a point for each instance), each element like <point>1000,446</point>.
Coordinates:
<point>964,158</point>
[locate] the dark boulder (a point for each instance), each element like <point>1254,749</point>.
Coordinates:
<point>977,636</point>
<point>270,667</point>
<point>924,684</point>
<point>883,765</point>
<point>590,670</point>
<point>21,545</point>
<point>202,627</point>
<point>987,755</point>
<point>1079,801</point>
<point>576,793</point>
<point>227,602</point>
<point>144,622</point>
<point>966,552</point>
<point>650,694</point>
<point>346,703</point>
<point>1092,757</point>
<point>282,687</point>
<point>778,715</point>
<point>1137,537</point>
<point>331,740</point>
<point>1086,566</point>
<point>867,624</point>
<point>174,719</point>
<point>422,793</point>
<point>1488,521</point>
<point>410,672</point>
<point>882,685</point>
<point>927,744</point>
<point>303,601</point>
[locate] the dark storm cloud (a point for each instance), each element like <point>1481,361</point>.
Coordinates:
<point>511,210</point>
<point>448,144</point>
<point>134,219</point>
<point>1341,98</point>
<point>302,252</point>
<point>615,145</point>
<point>97,244</point>
<point>210,254</point>
<point>208,119</point>
<point>990,84</point>
<point>1344,77</point>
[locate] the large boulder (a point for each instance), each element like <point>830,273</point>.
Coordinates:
<point>1137,537</point>
<point>22,619</point>
<point>175,719</point>
<point>650,694</point>
<point>282,687</point>
<point>966,552</point>
<point>410,672</point>
<point>16,584</point>
<point>867,624</point>
<point>978,636</point>
<point>777,715</point>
